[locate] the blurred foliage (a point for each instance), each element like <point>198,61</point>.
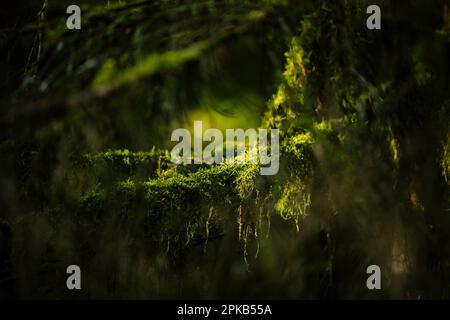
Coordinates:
<point>86,172</point>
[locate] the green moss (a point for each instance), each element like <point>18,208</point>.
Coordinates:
<point>445,163</point>
<point>296,70</point>
<point>127,158</point>
<point>324,126</point>
<point>126,164</point>
<point>294,202</point>
<point>127,187</point>
<point>93,200</point>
